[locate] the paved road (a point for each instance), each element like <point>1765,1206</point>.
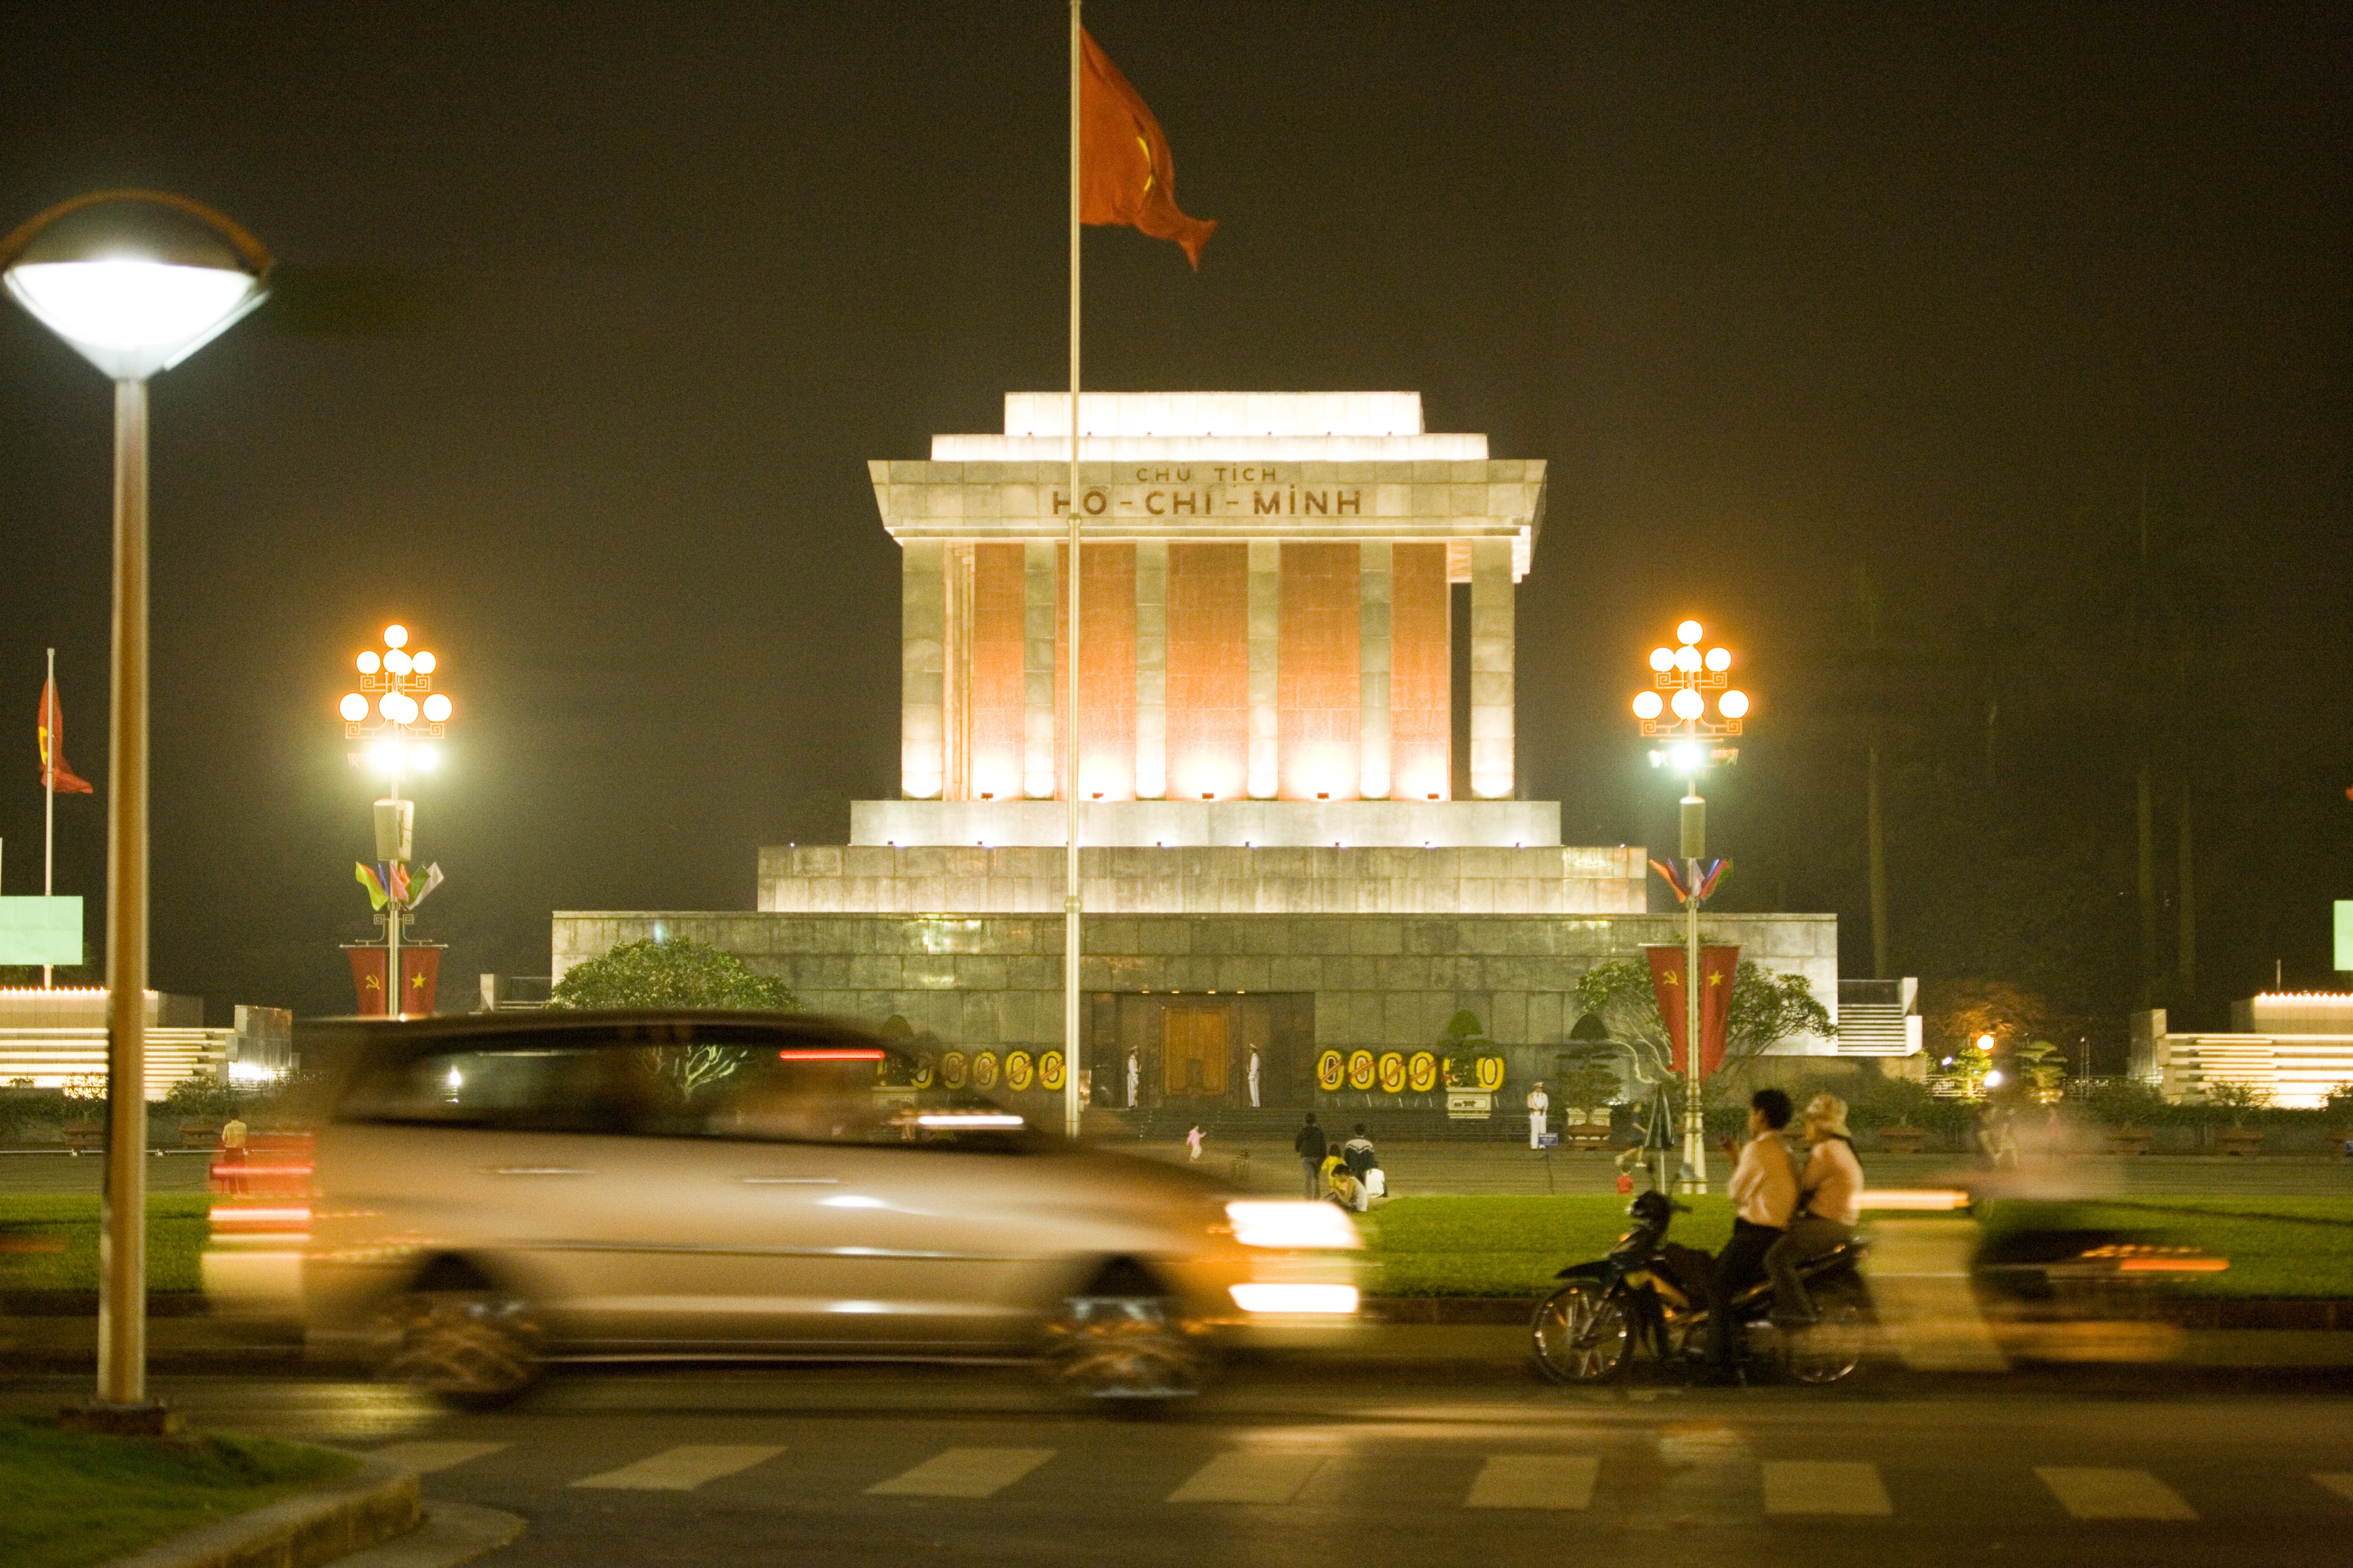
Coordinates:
<point>982,1468</point>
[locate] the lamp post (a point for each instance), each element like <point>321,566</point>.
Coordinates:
<point>1690,741</point>
<point>400,724</point>
<point>134,281</point>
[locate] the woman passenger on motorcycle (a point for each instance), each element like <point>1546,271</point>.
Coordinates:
<point>1830,1200</point>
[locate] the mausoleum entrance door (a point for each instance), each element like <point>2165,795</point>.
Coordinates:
<point>1193,1052</point>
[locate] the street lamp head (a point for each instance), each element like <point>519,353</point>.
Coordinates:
<point>1687,658</point>
<point>369,663</point>
<point>353,707</point>
<point>1733,704</point>
<point>395,636</point>
<point>1688,632</point>
<point>1689,704</point>
<point>423,662</point>
<point>1719,659</point>
<point>1647,705</point>
<point>1687,759</point>
<point>1663,660</point>
<point>135,281</point>
<point>397,661</point>
<point>437,708</point>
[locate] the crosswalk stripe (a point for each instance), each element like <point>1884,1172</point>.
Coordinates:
<point>426,1458</point>
<point>1534,1480</point>
<point>1247,1476</point>
<point>964,1472</point>
<point>1820,1487</point>
<point>2093,1492</point>
<point>684,1468</point>
<point>2338,1481</point>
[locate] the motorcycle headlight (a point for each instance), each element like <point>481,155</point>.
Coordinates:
<point>1293,1226</point>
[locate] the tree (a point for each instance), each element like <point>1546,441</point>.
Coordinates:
<point>1589,1077</point>
<point>1767,1008</point>
<point>676,973</point>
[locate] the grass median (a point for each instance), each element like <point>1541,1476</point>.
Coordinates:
<point>48,1243</point>
<point>79,1498</point>
<point>1500,1246</point>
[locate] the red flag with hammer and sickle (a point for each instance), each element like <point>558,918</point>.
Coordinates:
<point>48,731</point>
<point>1717,968</point>
<point>1126,176</point>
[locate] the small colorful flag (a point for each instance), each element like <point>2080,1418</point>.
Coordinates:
<point>396,882</point>
<point>365,876</point>
<point>49,731</point>
<point>432,881</point>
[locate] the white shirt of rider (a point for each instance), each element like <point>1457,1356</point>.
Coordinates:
<point>1833,1182</point>
<point>1764,1185</point>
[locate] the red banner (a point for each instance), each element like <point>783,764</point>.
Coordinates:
<point>421,970</point>
<point>1717,966</point>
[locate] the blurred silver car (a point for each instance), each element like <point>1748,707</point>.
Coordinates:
<point>493,1194</point>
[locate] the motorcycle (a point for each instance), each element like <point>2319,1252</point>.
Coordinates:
<point>1647,1289</point>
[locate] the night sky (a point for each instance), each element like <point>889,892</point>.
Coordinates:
<point>594,314</point>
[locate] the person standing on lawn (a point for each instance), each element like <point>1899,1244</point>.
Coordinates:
<point>1308,1145</point>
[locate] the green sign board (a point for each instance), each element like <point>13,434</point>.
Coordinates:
<point>40,931</point>
<point>2344,933</point>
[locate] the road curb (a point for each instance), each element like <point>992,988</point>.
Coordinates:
<point>453,1533</point>
<point>376,1505</point>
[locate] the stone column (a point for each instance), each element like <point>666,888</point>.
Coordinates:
<point>1265,712</point>
<point>1372,600</point>
<point>1039,609</point>
<point>923,689</point>
<point>1491,669</point>
<point>1151,669</point>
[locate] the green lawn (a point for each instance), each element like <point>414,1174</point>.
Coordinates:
<point>2278,1247</point>
<point>1507,1245</point>
<point>76,1498</point>
<point>50,1242</point>
<point>1513,1246</point>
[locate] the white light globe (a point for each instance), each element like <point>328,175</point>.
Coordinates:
<point>407,713</point>
<point>1689,704</point>
<point>1719,659</point>
<point>135,281</point>
<point>1687,658</point>
<point>1663,660</point>
<point>353,706</point>
<point>395,636</point>
<point>1993,1078</point>
<point>1687,760</point>
<point>423,662</point>
<point>397,661</point>
<point>1688,632</point>
<point>389,706</point>
<point>369,664</point>
<point>1733,704</point>
<point>1647,705</point>
<point>437,708</point>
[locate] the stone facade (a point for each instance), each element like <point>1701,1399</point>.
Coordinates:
<point>1379,982</point>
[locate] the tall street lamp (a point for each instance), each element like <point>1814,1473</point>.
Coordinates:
<point>1674,714</point>
<point>399,715</point>
<point>135,281</point>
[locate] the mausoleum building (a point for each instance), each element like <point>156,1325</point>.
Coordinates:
<point>1279,858</point>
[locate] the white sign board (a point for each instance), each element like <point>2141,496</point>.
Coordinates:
<point>40,931</point>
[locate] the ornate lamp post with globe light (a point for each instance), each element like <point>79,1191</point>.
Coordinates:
<point>134,281</point>
<point>1689,742</point>
<point>399,715</point>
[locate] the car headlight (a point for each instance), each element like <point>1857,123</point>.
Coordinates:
<point>1295,1226</point>
<point>1315,1301</point>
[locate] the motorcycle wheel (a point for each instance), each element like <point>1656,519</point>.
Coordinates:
<point>1581,1334</point>
<point>1833,1347</point>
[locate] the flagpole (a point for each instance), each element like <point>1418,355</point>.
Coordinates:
<point>1070,906</point>
<point>50,799</point>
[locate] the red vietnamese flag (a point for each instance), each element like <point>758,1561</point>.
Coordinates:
<point>50,732</point>
<point>1126,176</point>
<point>1717,968</point>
